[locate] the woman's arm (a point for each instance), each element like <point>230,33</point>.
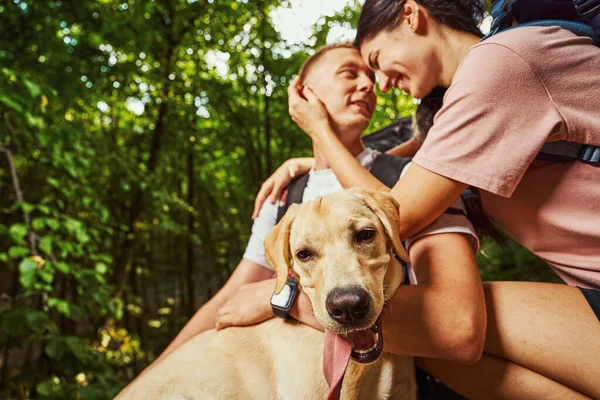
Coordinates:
<point>444,315</point>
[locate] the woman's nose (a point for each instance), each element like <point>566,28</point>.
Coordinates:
<point>384,82</point>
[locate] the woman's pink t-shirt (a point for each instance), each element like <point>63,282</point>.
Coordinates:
<point>510,95</point>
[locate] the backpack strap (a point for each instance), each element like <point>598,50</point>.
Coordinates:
<point>385,167</point>
<point>294,190</point>
<point>388,168</point>
<point>582,17</point>
<point>456,211</point>
<point>590,11</point>
<point>563,151</point>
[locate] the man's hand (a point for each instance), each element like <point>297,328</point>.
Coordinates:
<point>249,306</point>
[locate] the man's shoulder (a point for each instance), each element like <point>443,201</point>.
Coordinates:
<point>388,168</point>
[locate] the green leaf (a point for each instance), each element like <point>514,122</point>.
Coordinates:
<point>18,252</point>
<point>34,90</point>
<point>34,121</point>
<point>28,270</point>
<point>63,306</point>
<point>3,257</point>
<point>82,236</point>
<point>62,267</point>
<point>8,72</point>
<point>56,348</point>
<point>53,224</point>
<point>101,268</point>
<point>116,306</point>
<point>37,224</point>
<point>72,225</point>
<point>26,207</point>
<point>44,209</point>
<point>11,103</point>
<point>77,346</point>
<point>53,182</point>
<point>47,274</point>
<point>46,388</point>
<point>46,244</point>
<point>18,232</point>
<point>40,322</point>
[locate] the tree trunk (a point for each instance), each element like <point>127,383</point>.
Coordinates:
<point>189,273</point>
<point>123,261</point>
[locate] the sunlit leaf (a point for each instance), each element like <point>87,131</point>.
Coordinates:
<point>28,270</point>
<point>18,232</point>
<point>46,244</point>
<point>18,251</point>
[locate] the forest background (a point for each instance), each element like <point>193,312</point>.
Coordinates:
<point>134,135</point>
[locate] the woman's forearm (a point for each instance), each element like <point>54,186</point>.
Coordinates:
<point>349,172</point>
<point>422,195</point>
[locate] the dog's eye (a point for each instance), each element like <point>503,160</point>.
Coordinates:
<point>303,255</point>
<point>365,234</point>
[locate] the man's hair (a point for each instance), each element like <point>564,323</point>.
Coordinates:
<point>312,60</point>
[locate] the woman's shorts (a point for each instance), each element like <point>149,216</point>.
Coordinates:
<point>593,297</point>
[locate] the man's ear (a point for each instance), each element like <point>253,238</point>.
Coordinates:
<point>277,247</point>
<point>387,210</point>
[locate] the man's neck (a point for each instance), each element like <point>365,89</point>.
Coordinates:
<point>355,146</point>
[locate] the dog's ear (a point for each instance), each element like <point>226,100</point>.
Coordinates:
<point>277,247</point>
<point>387,210</point>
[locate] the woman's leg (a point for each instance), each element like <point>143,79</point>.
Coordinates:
<point>495,378</point>
<point>536,333</point>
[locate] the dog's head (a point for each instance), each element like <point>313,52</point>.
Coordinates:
<point>342,247</point>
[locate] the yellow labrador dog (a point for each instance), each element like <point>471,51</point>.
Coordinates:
<point>341,247</point>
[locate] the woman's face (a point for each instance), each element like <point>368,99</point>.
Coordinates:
<point>404,59</point>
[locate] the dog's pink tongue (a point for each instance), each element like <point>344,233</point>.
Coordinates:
<point>336,355</point>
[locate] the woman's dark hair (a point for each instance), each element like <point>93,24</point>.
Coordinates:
<point>384,15</point>
<point>461,15</point>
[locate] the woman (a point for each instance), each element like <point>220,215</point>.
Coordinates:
<point>505,98</point>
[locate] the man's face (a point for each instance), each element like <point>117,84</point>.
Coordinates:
<point>344,84</point>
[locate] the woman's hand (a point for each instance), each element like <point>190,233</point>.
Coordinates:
<point>307,111</point>
<point>282,177</point>
<point>249,306</point>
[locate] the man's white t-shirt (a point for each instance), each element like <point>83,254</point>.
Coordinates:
<point>324,182</point>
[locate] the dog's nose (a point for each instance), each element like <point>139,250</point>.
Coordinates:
<point>348,306</point>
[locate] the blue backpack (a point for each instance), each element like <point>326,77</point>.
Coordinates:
<point>581,17</point>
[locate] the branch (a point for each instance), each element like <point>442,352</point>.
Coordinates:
<point>19,194</point>
<point>11,129</point>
